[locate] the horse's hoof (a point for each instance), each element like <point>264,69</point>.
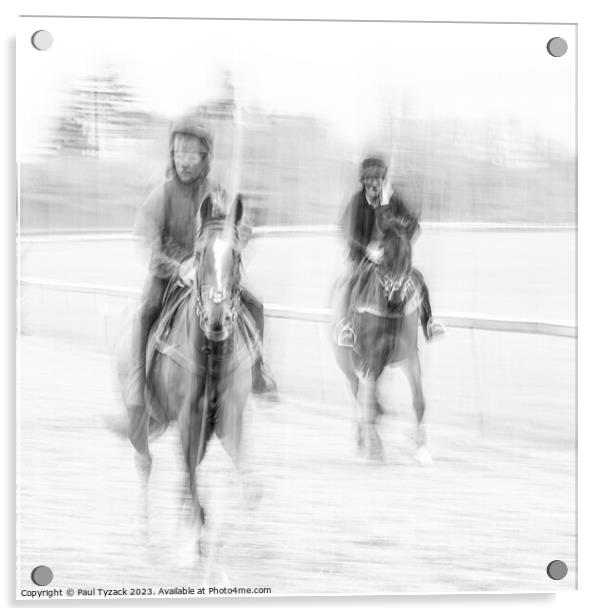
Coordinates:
<point>376,457</point>
<point>423,457</point>
<point>143,463</point>
<point>375,450</point>
<point>358,451</point>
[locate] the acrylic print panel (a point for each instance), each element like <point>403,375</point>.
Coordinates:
<point>453,469</point>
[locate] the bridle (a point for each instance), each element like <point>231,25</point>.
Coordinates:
<point>391,285</point>
<point>210,295</point>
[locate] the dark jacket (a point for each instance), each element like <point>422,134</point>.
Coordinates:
<point>168,216</point>
<point>361,222</point>
<point>168,223</point>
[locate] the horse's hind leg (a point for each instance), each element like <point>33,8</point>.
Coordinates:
<point>138,435</point>
<point>368,408</point>
<point>415,379</point>
<point>191,519</point>
<point>230,428</point>
<point>344,358</point>
<point>358,411</point>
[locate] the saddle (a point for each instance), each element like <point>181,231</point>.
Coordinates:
<point>175,295</point>
<point>245,338</point>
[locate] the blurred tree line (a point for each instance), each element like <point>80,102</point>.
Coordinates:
<point>107,152</point>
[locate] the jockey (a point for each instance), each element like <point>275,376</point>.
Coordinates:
<point>168,221</point>
<point>361,227</point>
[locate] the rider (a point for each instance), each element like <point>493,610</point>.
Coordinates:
<point>361,223</point>
<point>168,222</point>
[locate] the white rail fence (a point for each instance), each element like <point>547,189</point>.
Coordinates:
<point>40,236</point>
<point>322,315</point>
<point>318,315</point>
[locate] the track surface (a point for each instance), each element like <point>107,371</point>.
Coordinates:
<point>498,505</point>
<point>494,510</point>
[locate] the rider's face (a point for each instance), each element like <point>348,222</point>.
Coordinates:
<point>373,186</point>
<point>190,158</point>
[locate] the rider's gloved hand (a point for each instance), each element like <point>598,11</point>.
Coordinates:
<point>187,272</point>
<point>374,252</point>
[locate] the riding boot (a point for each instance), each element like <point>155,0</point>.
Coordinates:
<point>262,380</point>
<point>430,326</point>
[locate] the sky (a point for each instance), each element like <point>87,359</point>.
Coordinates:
<point>349,74</point>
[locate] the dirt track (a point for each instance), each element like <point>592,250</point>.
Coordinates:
<point>494,510</point>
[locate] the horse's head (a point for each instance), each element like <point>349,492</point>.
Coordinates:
<point>396,260</point>
<point>218,259</point>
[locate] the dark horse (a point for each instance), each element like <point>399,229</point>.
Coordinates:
<point>200,354</point>
<point>386,322</point>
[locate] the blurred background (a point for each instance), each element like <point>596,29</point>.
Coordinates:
<point>478,124</point>
<point>105,150</point>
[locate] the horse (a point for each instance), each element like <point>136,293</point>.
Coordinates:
<point>200,356</point>
<point>386,319</point>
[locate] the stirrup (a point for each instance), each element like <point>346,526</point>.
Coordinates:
<point>346,336</point>
<point>434,329</point>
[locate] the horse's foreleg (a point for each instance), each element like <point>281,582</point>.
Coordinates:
<point>415,379</point>
<point>229,430</point>
<point>200,431</point>
<point>368,409</point>
<point>358,415</point>
<point>195,432</point>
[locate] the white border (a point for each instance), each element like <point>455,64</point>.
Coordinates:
<point>586,14</point>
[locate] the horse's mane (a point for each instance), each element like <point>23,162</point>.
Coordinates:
<point>397,245</point>
<point>394,228</point>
